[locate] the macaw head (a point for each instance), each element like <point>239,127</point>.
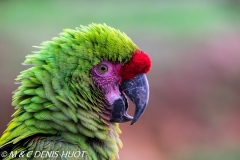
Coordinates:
<point>113,63</point>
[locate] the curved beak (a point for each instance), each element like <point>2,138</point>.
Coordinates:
<point>137,90</point>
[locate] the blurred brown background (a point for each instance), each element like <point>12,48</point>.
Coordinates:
<point>194,105</point>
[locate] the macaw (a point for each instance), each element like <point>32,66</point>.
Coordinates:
<point>75,95</point>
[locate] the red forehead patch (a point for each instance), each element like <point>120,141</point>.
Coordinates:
<point>139,63</point>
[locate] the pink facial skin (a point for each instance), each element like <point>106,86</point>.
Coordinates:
<point>108,81</point>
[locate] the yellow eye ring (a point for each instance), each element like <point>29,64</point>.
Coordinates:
<point>102,68</point>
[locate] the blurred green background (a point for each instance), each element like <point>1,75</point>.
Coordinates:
<point>194,106</point>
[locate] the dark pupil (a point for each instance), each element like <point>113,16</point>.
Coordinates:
<point>103,68</point>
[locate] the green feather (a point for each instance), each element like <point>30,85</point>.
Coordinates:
<point>40,92</point>
<point>33,107</point>
<point>29,92</point>
<point>37,99</point>
<point>25,101</point>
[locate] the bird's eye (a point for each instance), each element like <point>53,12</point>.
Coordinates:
<point>102,68</point>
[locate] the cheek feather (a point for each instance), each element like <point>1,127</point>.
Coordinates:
<point>140,63</point>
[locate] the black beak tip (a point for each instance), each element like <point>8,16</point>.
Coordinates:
<point>138,114</point>
<point>133,121</point>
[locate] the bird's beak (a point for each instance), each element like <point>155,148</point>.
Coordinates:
<point>137,90</point>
